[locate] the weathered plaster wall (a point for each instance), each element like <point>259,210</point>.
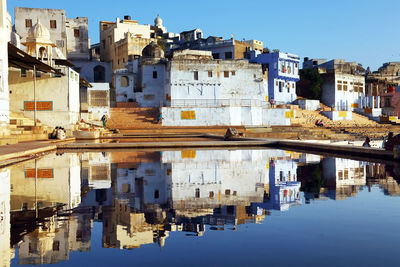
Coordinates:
<point>77,38</point>
<point>5,30</point>
<point>226,116</point>
<point>62,91</point>
<point>338,115</point>
<point>58,35</point>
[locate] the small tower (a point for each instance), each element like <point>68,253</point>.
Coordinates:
<point>38,43</point>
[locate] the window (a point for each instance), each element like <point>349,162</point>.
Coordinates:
<point>197,193</point>
<point>196,75</point>
<point>344,85</point>
<point>105,27</point>
<point>339,85</point>
<point>156,194</point>
<point>276,83</point>
<point>53,24</point>
<point>211,194</point>
<point>56,245</point>
<point>233,73</point>
<point>215,55</point>
<point>280,87</point>
<point>288,87</point>
<point>227,192</point>
<point>155,74</point>
<point>38,74</point>
<point>228,55</point>
<point>226,74</point>
<point>210,74</point>
<point>28,23</point>
<point>387,102</point>
<point>76,32</point>
<point>230,209</point>
<point>292,85</point>
<point>99,73</point>
<point>60,43</point>
<point>23,72</point>
<point>124,81</point>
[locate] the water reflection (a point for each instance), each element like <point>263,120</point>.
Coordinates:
<point>48,205</point>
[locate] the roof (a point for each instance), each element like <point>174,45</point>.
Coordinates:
<point>64,62</point>
<point>19,59</point>
<point>84,83</point>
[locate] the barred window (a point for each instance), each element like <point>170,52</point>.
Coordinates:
<point>98,98</point>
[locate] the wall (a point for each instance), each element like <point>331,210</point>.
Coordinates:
<point>245,81</point>
<point>338,115</point>
<point>224,116</point>
<point>152,94</point>
<point>308,104</point>
<point>115,31</point>
<point>124,94</point>
<point>86,69</point>
<point>62,91</point>
<point>341,99</point>
<point>77,46</point>
<point>58,35</point>
<point>97,111</point>
<point>5,29</point>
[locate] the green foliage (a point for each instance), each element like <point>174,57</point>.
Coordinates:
<point>310,83</point>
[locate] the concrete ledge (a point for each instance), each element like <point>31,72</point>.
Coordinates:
<point>209,144</point>
<point>12,158</point>
<point>337,149</point>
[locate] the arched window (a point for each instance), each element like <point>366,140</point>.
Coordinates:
<point>99,73</point>
<point>124,81</point>
<point>42,53</point>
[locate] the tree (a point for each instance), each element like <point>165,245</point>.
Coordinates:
<point>309,85</point>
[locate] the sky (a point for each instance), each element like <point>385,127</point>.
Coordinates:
<point>367,32</point>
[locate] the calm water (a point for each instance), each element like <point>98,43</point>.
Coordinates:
<point>199,208</point>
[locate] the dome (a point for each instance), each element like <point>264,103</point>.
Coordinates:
<point>158,21</point>
<point>153,50</point>
<point>38,33</point>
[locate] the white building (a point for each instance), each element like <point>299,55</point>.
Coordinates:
<point>193,89</point>
<point>56,94</point>
<point>5,31</point>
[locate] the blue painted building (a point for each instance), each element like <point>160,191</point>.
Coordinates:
<point>283,73</point>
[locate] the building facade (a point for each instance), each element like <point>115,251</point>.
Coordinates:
<point>283,73</point>
<point>5,33</point>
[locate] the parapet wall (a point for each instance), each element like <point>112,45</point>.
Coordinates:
<point>225,116</point>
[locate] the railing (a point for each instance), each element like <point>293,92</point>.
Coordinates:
<point>219,103</point>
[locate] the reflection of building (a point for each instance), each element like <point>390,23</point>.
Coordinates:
<point>6,253</point>
<point>283,190</point>
<point>343,177</point>
<point>5,34</point>
<point>57,182</point>
<point>54,240</point>
<point>379,174</point>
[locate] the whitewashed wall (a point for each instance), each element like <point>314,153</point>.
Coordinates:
<point>338,115</point>
<point>4,92</point>
<point>225,116</point>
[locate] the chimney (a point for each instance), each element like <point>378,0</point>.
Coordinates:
<point>127,17</point>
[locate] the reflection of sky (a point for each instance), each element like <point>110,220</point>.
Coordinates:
<point>360,231</point>
<point>328,232</point>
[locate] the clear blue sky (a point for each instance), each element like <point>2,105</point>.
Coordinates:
<point>363,31</point>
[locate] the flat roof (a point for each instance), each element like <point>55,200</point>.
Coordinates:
<point>20,59</point>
